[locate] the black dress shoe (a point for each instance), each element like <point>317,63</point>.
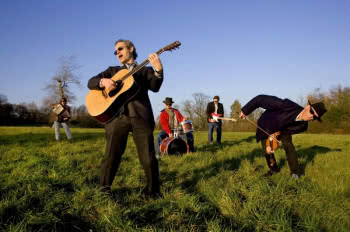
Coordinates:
<point>106,189</point>
<point>148,194</point>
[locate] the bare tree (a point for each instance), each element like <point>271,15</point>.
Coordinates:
<point>60,83</point>
<point>199,108</point>
<point>187,109</point>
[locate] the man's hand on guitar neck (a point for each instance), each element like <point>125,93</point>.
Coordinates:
<point>156,63</point>
<point>108,84</point>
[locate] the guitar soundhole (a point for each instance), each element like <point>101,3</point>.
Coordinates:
<point>116,90</point>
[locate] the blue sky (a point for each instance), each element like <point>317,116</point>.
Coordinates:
<point>235,49</point>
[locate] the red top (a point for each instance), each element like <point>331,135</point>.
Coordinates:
<point>164,119</point>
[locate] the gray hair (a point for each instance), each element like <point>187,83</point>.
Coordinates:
<point>129,45</point>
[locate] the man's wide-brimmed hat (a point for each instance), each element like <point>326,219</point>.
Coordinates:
<point>168,100</point>
<point>319,108</point>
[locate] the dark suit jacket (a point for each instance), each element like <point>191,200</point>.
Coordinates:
<point>280,115</point>
<point>211,109</point>
<point>140,106</point>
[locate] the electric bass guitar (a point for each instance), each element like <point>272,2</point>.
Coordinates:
<point>104,104</point>
<point>216,117</point>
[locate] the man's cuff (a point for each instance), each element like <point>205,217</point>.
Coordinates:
<point>158,73</point>
<point>100,83</point>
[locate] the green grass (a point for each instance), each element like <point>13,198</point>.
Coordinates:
<point>53,186</point>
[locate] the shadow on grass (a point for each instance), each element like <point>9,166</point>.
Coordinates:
<point>310,153</point>
<point>67,222</point>
<point>165,215</point>
<point>34,207</point>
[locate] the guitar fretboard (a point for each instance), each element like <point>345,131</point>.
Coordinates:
<point>140,66</point>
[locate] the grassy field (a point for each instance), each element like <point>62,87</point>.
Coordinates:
<point>52,186</point>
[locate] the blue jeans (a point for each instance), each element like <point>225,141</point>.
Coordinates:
<point>217,126</point>
<point>162,135</point>
<point>58,125</point>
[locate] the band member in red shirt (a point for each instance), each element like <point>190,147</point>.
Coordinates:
<point>170,119</point>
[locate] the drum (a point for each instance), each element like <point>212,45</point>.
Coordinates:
<point>173,146</point>
<point>187,126</point>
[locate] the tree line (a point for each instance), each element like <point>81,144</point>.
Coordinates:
<point>336,120</point>
<point>30,114</point>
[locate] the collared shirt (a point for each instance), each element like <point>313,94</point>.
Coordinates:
<point>297,119</point>
<point>216,108</point>
<point>131,66</point>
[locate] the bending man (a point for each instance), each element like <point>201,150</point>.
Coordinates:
<point>286,117</point>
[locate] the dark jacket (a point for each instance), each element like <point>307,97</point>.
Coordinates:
<point>140,105</point>
<point>211,109</point>
<point>280,115</point>
<point>65,115</point>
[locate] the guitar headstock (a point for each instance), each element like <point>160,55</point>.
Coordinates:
<point>170,47</point>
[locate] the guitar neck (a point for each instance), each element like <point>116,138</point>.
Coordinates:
<point>140,66</point>
<point>228,119</point>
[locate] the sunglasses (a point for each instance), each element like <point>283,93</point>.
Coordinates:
<point>313,112</point>
<point>118,50</point>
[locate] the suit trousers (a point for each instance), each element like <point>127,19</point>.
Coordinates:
<point>290,151</point>
<point>116,133</point>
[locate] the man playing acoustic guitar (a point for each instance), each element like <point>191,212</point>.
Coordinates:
<point>136,116</point>
<point>286,117</point>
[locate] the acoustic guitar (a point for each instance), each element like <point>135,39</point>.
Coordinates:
<point>104,105</point>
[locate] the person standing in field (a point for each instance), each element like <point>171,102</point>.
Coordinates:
<point>217,109</point>
<point>286,117</point>
<point>136,116</point>
<point>62,120</point>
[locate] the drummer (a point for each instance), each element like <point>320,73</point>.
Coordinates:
<point>170,120</point>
